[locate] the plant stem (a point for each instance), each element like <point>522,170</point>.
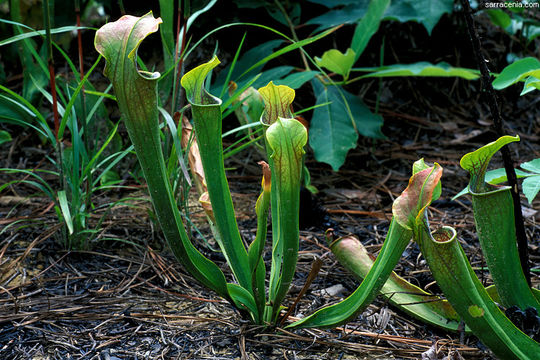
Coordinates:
<point>85,128</point>
<point>50,62</point>
<point>498,127</point>
<point>121,6</point>
<point>293,32</point>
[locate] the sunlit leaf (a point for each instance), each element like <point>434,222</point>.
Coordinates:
<point>420,69</point>
<point>517,71</point>
<point>335,61</point>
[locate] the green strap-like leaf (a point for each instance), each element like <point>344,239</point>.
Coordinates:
<point>136,94</point>
<point>206,113</point>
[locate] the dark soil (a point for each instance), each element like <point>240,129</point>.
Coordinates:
<point>130,299</point>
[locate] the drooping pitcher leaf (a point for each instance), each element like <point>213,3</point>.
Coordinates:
<point>335,61</point>
<point>453,273</point>
<point>411,204</point>
<point>476,162</point>
<point>297,79</point>
<point>409,298</point>
<point>136,94</point>
<point>342,12</point>
<point>277,102</point>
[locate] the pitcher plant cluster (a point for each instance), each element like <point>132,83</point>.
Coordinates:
<point>283,141</point>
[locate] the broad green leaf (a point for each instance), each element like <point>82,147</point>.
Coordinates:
<point>411,204</point>
<point>291,47</point>
<point>4,137</point>
<point>136,94</point>
<point>368,26</point>
<point>293,9</point>
<point>277,102</point>
<point>335,61</point>
<point>498,176</point>
<point>426,12</point>
<point>272,74</point>
<point>499,18</point>
<point>517,71</point>
<point>531,83</point>
<point>420,69</point>
<point>335,126</point>
<point>476,162</point>
<point>349,14</point>
<point>531,187</point>
<point>297,79</point>
<point>532,166</point>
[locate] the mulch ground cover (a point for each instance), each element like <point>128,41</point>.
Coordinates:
<point>129,298</point>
